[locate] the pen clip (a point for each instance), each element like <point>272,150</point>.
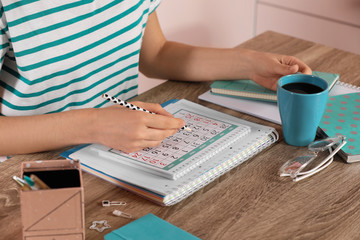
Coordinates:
<point>107,203</point>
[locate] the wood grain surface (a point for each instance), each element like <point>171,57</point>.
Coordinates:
<point>249,202</point>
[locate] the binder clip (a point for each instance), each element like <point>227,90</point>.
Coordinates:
<point>103,223</point>
<point>121,214</point>
<point>107,203</point>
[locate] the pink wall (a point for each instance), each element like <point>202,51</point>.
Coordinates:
<point>207,22</point>
<point>335,23</point>
<point>226,23</point>
<point>204,22</point>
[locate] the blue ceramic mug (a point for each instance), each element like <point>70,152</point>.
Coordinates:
<point>301,100</point>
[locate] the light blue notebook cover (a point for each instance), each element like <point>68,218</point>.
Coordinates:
<point>149,227</point>
<point>251,90</point>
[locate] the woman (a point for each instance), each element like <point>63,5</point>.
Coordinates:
<point>59,57</point>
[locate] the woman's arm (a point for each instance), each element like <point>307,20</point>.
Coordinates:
<point>164,59</point>
<point>115,126</point>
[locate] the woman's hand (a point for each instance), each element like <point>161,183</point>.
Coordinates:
<point>267,68</point>
<point>129,130</point>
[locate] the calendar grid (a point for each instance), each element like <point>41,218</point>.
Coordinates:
<point>177,148</point>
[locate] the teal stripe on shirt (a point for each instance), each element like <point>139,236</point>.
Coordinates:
<point>74,68</point>
<point>76,80</point>
<point>4,30</point>
<point>10,57</point>
<point>1,12</point>
<point>19,3</point>
<point>47,12</point>
<point>77,35</point>
<point>81,50</point>
<point>77,76</point>
<point>62,98</point>
<point>5,45</point>
<point>64,23</point>
<point>98,95</point>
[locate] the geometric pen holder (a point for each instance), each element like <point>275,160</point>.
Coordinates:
<point>57,212</point>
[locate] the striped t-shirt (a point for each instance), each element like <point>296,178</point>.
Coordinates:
<point>62,55</point>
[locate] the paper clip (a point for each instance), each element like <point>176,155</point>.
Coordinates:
<point>102,223</point>
<point>121,214</point>
<point>107,203</point>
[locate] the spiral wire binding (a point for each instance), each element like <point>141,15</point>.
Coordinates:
<point>348,85</point>
<point>206,178</point>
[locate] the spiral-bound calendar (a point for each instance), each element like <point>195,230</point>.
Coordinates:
<point>182,152</point>
<point>183,163</point>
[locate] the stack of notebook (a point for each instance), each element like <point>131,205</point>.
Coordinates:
<point>184,162</point>
<point>250,90</point>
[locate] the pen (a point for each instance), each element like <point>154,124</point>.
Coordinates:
<point>31,183</point>
<point>133,107</point>
<point>39,182</point>
<point>24,186</point>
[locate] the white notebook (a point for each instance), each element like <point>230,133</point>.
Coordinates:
<point>211,132</point>
<point>216,156</point>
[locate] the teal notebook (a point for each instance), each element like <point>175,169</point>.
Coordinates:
<point>342,116</point>
<point>252,90</point>
<point>150,227</point>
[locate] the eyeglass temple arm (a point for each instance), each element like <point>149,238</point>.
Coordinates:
<point>321,166</point>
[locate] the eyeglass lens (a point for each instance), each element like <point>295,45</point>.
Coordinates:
<point>322,145</point>
<point>293,167</point>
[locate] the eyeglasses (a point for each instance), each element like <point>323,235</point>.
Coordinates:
<point>294,167</point>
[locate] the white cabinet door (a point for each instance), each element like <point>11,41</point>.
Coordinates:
<point>344,11</point>
<point>330,22</point>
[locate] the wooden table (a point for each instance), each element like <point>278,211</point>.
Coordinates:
<point>249,202</point>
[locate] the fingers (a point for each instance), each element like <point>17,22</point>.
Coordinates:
<point>149,137</point>
<point>139,146</point>
<point>161,120</point>
<point>303,68</point>
<point>153,107</point>
<point>153,134</point>
<point>290,65</point>
<point>294,65</point>
<point>283,69</point>
<point>152,130</point>
<point>164,122</point>
<point>128,130</point>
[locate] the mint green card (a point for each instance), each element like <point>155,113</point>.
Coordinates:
<point>149,227</point>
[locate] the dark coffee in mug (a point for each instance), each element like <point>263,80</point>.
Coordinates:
<point>303,88</point>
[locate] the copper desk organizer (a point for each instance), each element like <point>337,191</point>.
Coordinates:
<point>58,212</point>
